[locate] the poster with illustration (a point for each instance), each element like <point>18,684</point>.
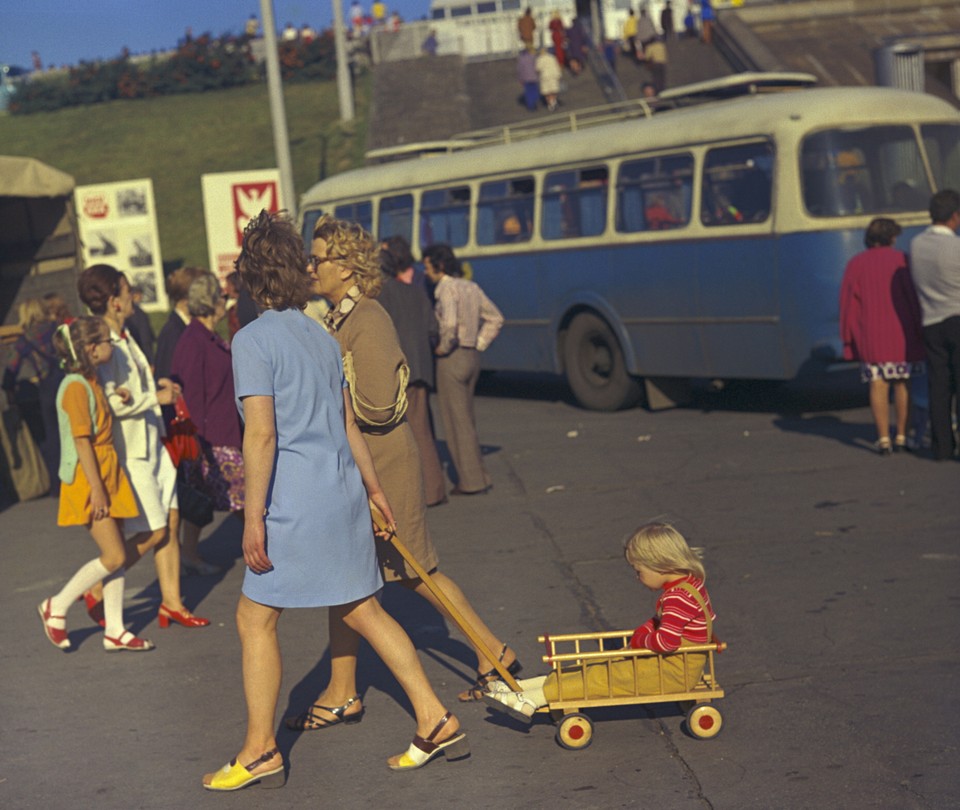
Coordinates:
<point>230,201</point>
<point>118,226</point>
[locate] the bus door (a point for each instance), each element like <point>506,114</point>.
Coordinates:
<point>737,274</point>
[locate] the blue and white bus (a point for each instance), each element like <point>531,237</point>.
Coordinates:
<point>703,241</point>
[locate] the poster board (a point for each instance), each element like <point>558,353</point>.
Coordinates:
<point>230,201</point>
<point>118,226</point>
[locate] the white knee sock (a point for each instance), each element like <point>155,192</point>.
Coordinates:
<point>113,603</point>
<point>88,576</point>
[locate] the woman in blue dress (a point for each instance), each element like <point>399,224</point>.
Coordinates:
<point>307,537</point>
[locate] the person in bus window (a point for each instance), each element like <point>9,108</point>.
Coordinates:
<point>658,215</point>
<point>853,183</point>
<point>906,197</point>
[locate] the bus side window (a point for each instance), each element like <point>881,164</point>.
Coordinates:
<point>396,217</point>
<point>359,212</point>
<point>575,203</point>
<point>445,216</point>
<point>736,184</point>
<point>505,211</point>
<point>871,170</point>
<point>654,194</point>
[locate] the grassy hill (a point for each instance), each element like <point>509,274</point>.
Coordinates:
<point>175,139</point>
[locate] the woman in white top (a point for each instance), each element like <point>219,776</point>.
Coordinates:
<point>137,432</point>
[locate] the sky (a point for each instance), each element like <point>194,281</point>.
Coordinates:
<point>64,32</point>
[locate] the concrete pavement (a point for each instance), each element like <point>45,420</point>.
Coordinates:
<point>833,572</point>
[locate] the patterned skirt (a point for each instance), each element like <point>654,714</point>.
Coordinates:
<point>218,474</point>
<point>902,370</point>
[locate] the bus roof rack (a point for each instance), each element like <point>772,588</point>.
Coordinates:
<point>740,84</point>
<point>417,149</point>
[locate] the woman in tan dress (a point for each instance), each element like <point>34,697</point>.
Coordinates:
<point>346,262</point>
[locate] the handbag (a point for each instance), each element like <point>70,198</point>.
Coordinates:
<point>181,439</point>
<point>195,507</point>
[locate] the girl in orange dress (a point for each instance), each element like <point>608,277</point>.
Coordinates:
<point>95,491</point>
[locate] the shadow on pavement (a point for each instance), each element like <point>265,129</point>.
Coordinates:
<point>838,391</point>
<point>427,631</point>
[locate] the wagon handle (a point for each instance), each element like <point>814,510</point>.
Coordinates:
<point>381,522</point>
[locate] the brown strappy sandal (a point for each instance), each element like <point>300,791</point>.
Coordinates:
<point>311,721</point>
<point>479,688</point>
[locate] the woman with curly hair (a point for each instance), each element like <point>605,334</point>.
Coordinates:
<point>307,535</point>
<point>346,262</point>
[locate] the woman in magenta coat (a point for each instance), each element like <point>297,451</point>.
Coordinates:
<point>203,365</point>
<point>880,327</point>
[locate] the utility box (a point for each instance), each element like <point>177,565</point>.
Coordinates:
<point>899,65</point>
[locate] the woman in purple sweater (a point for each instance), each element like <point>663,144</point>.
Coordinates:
<point>880,327</point>
<point>203,365</point>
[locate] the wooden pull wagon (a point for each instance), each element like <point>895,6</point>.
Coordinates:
<point>621,676</point>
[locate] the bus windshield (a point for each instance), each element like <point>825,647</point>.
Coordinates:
<point>942,145</point>
<point>869,170</point>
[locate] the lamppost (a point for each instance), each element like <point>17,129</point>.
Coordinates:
<point>344,81</point>
<point>278,113</point>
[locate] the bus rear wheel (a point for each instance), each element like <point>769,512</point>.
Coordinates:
<point>596,371</point>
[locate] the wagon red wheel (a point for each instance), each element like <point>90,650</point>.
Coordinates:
<point>575,731</point>
<point>704,721</point>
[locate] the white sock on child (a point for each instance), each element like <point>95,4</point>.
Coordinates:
<point>532,689</point>
<point>113,603</point>
<point>88,576</point>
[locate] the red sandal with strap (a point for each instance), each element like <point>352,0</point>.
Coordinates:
<point>56,635</point>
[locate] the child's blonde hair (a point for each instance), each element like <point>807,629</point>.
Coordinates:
<point>661,548</point>
<point>71,341</point>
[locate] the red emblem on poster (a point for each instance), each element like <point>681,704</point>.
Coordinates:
<point>249,199</point>
<point>96,206</point>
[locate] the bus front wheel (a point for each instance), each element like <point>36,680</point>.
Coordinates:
<point>596,371</point>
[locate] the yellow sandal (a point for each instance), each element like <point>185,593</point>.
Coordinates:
<point>234,776</point>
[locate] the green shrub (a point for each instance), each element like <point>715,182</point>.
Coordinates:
<point>198,65</point>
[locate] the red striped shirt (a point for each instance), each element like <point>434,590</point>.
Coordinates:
<point>679,617</point>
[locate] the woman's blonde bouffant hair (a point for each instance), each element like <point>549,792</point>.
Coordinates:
<point>661,548</point>
<point>351,246</point>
